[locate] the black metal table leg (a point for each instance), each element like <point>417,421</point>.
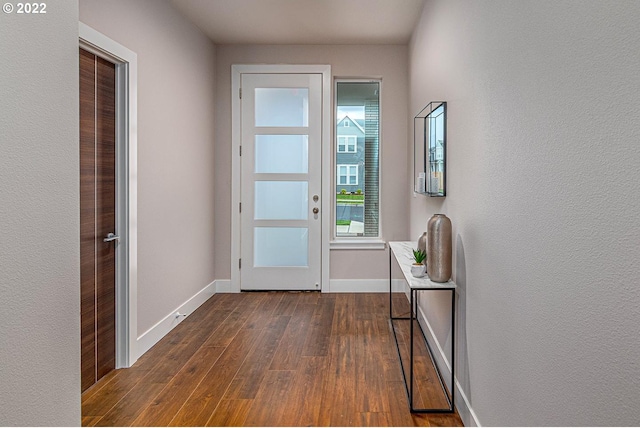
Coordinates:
<point>390,288</point>
<point>453,344</point>
<point>411,353</point>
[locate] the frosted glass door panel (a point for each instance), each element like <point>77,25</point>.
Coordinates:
<point>281,200</point>
<point>282,154</point>
<point>281,246</point>
<point>282,107</point>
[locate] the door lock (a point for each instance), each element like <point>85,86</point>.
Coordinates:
<point>316,210</point>
<point>315,198</point>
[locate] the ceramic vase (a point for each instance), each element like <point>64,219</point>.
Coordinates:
<point>439,251</point>
<point>422,245</point>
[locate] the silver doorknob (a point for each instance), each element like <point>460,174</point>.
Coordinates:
<point>111,237</point>
<point>316,210</point>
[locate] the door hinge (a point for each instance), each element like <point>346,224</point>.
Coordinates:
<point>239,263</point>
<point>240,206</point>
<point>240,93</point>
<point>240,150</point>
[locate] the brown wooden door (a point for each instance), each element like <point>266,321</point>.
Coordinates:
<point>97,216</point>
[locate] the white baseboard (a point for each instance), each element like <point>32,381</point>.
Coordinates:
<point>169,322</point>
<point>364,286</point>
<point>463,406</point>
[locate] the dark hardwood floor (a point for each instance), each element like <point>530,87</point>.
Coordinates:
<point>272,359</point>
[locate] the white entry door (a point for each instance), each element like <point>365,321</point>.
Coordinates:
<point>281,184</point>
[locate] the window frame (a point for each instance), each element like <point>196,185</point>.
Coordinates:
<point>346,144</point>
<point>357,242</point>
<point>348,166</point>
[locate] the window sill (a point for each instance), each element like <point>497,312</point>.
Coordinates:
<point>358,244</point>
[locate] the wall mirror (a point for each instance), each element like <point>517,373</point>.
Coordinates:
<point>429,149</point>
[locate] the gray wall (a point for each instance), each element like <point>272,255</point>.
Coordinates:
<point>39,218</point>
<point>176,88</point>
<point>542,189</point>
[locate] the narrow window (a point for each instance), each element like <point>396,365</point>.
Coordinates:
<point>357,161</point>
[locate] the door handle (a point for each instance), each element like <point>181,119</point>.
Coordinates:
<point>316,210</point>
<point>111,237</point>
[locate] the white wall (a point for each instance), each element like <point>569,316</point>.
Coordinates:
<point>387,62</point>
<point>39,218</point>
<point>543,184</point>
<point>176,88</point>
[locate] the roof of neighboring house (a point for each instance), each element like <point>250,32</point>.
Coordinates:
<point>360,126</point>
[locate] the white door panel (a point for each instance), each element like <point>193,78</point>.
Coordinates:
<point>281,173</point>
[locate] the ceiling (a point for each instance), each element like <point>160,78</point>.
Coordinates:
<point>304,21</point>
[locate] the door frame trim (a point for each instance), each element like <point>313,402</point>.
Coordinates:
<point>126,63</point>
<point>236,138</point>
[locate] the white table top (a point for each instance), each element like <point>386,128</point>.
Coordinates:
<point>402,251</point>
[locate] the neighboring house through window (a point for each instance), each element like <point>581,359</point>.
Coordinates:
<point>356,158</point>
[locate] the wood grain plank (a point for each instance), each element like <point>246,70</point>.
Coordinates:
<point>317,342</point>
<point>117,387</point>
<point>289,352</point>
<point>206,396</point>
<point>176,357</point>
<point>364,312</point>
<point>339,389</point>
<point>226,332</point>
<point>399,405</point>
<point>340,384</point>
<point>370,380</point>
<point>90,421</point>
<point>267,408</point>
<point>445,420</point>
<point>249,377</point>
<point>165,406</point>
<point>230,413</point>
<point>127,410</point>
<point>309,297</point>
<point>287,304</point>
<point>263,312</point>
<point>344,316</point>
<point>388,356</point>
<point>371,419</point>
<point>303,400</point>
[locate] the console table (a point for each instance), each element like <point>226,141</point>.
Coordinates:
<point>402,253</point>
